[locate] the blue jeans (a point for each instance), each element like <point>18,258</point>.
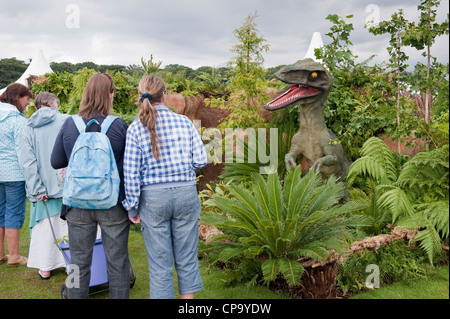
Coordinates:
<point>13,204</point>
<point>114,224</point>
<point>169,219</point>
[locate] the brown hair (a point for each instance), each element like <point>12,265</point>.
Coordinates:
<point>147,113</point>
<point>14,92</point>
<point>97,96</point>
<point>46,99</point>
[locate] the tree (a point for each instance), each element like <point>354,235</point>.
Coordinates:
<point>337,54</point>
<point>10,70</point>
<point>150,66</point>
<point>396,27</point>
<point>247,83</point>
<point>423,35</point>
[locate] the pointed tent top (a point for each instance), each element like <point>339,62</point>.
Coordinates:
<point>38,66</point>
<point>316,43</point>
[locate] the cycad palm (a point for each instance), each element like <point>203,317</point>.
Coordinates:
<point>276,224</point>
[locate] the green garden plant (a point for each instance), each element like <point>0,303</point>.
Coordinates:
<point>272,225</point>
<point>415,196</point>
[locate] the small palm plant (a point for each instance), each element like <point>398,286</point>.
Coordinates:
<point>275,224</point>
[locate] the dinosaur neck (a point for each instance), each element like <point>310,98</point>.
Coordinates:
<point>312,117</point>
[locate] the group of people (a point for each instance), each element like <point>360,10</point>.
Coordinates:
<point>157,156</point>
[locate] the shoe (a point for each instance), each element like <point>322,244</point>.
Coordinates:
<point>42,276</point>
<point>22,261</point>
<point>3,259</point>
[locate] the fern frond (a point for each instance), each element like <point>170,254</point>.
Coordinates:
<point>375,148</point>
<point>438,215</point>
<point>396,202</point>
<point>367,167</point>
<point>427,170</point>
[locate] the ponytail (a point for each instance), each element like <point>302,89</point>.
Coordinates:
<point>151,90</point>
<point>147,116</point>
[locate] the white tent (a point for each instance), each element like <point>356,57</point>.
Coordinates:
<point>38,66</point>
<point>316,43</point>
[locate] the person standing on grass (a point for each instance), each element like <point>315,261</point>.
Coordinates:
<point>162,152</point>
<point>13,201</point>
<point>43,183</point>
<point>97,103</point>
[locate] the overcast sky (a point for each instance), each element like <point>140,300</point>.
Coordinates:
<point>190,32</point>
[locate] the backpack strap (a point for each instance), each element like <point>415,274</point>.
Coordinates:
<point>81,126</point>
<point>107,123</point>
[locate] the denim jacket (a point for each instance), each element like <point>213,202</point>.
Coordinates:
<point>11,124</point>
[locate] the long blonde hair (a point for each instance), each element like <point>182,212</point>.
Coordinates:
<point>155,86</point>
<point>97,96</point>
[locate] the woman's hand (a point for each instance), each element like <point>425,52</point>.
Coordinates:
<point>42,198</point>
<point>136,219</point>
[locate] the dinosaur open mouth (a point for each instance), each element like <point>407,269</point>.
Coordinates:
<point>292,94</point>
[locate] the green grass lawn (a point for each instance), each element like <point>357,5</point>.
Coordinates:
<point>24,283</point>
<point>435,286</point>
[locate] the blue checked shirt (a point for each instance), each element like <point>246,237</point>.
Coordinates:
<point>181,148</point>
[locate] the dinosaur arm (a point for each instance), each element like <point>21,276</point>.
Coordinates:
<point>294,152</point>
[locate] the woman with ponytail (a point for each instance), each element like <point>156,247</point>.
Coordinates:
<point>163,150</point>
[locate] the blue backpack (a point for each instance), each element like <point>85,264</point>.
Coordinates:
<point>92,178</point>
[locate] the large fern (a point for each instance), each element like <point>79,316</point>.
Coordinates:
<point>432,221</point>
<point>427,172</point>
<point>415,196</point>
<point>275,224</point>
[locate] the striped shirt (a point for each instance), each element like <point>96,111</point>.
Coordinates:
<point>181,153</point>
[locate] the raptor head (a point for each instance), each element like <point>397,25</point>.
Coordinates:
<point>309,80</point>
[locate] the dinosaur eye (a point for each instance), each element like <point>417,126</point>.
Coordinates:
<point>314,74</point>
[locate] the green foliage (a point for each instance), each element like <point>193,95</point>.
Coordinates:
<point>79,82</point>
<point>395,27</point>
<point>69,89</point>
<point>274,225</point>
<point>242,172</point>
<point>395,262</point>
<point>150,66</point>
<point>337,54</point>
<point>10,70</point>
<point>376,216</point>
<point>415,196</point>
<point>360,102</point>
<point>58,84</point>
<point>247,84</point>
<point>213,81</point>
<point>424,33</point>
<point>61,67</point>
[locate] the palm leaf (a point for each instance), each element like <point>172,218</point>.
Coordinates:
<point>270,269</point>
<point>261,195</point>
<point>292,271</point>
<point>275,197</point>
<point>303,194</point>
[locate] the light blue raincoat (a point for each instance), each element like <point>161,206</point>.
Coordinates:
<point>11,124</point>
<point>36,145</point>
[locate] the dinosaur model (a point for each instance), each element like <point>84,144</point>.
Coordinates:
<point>310,84</point>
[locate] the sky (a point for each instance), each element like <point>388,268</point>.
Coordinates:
<point>193,33</point>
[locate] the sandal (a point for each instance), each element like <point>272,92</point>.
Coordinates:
<point>42,276</point>
<point>22,261</point>
<point>3,259</point>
